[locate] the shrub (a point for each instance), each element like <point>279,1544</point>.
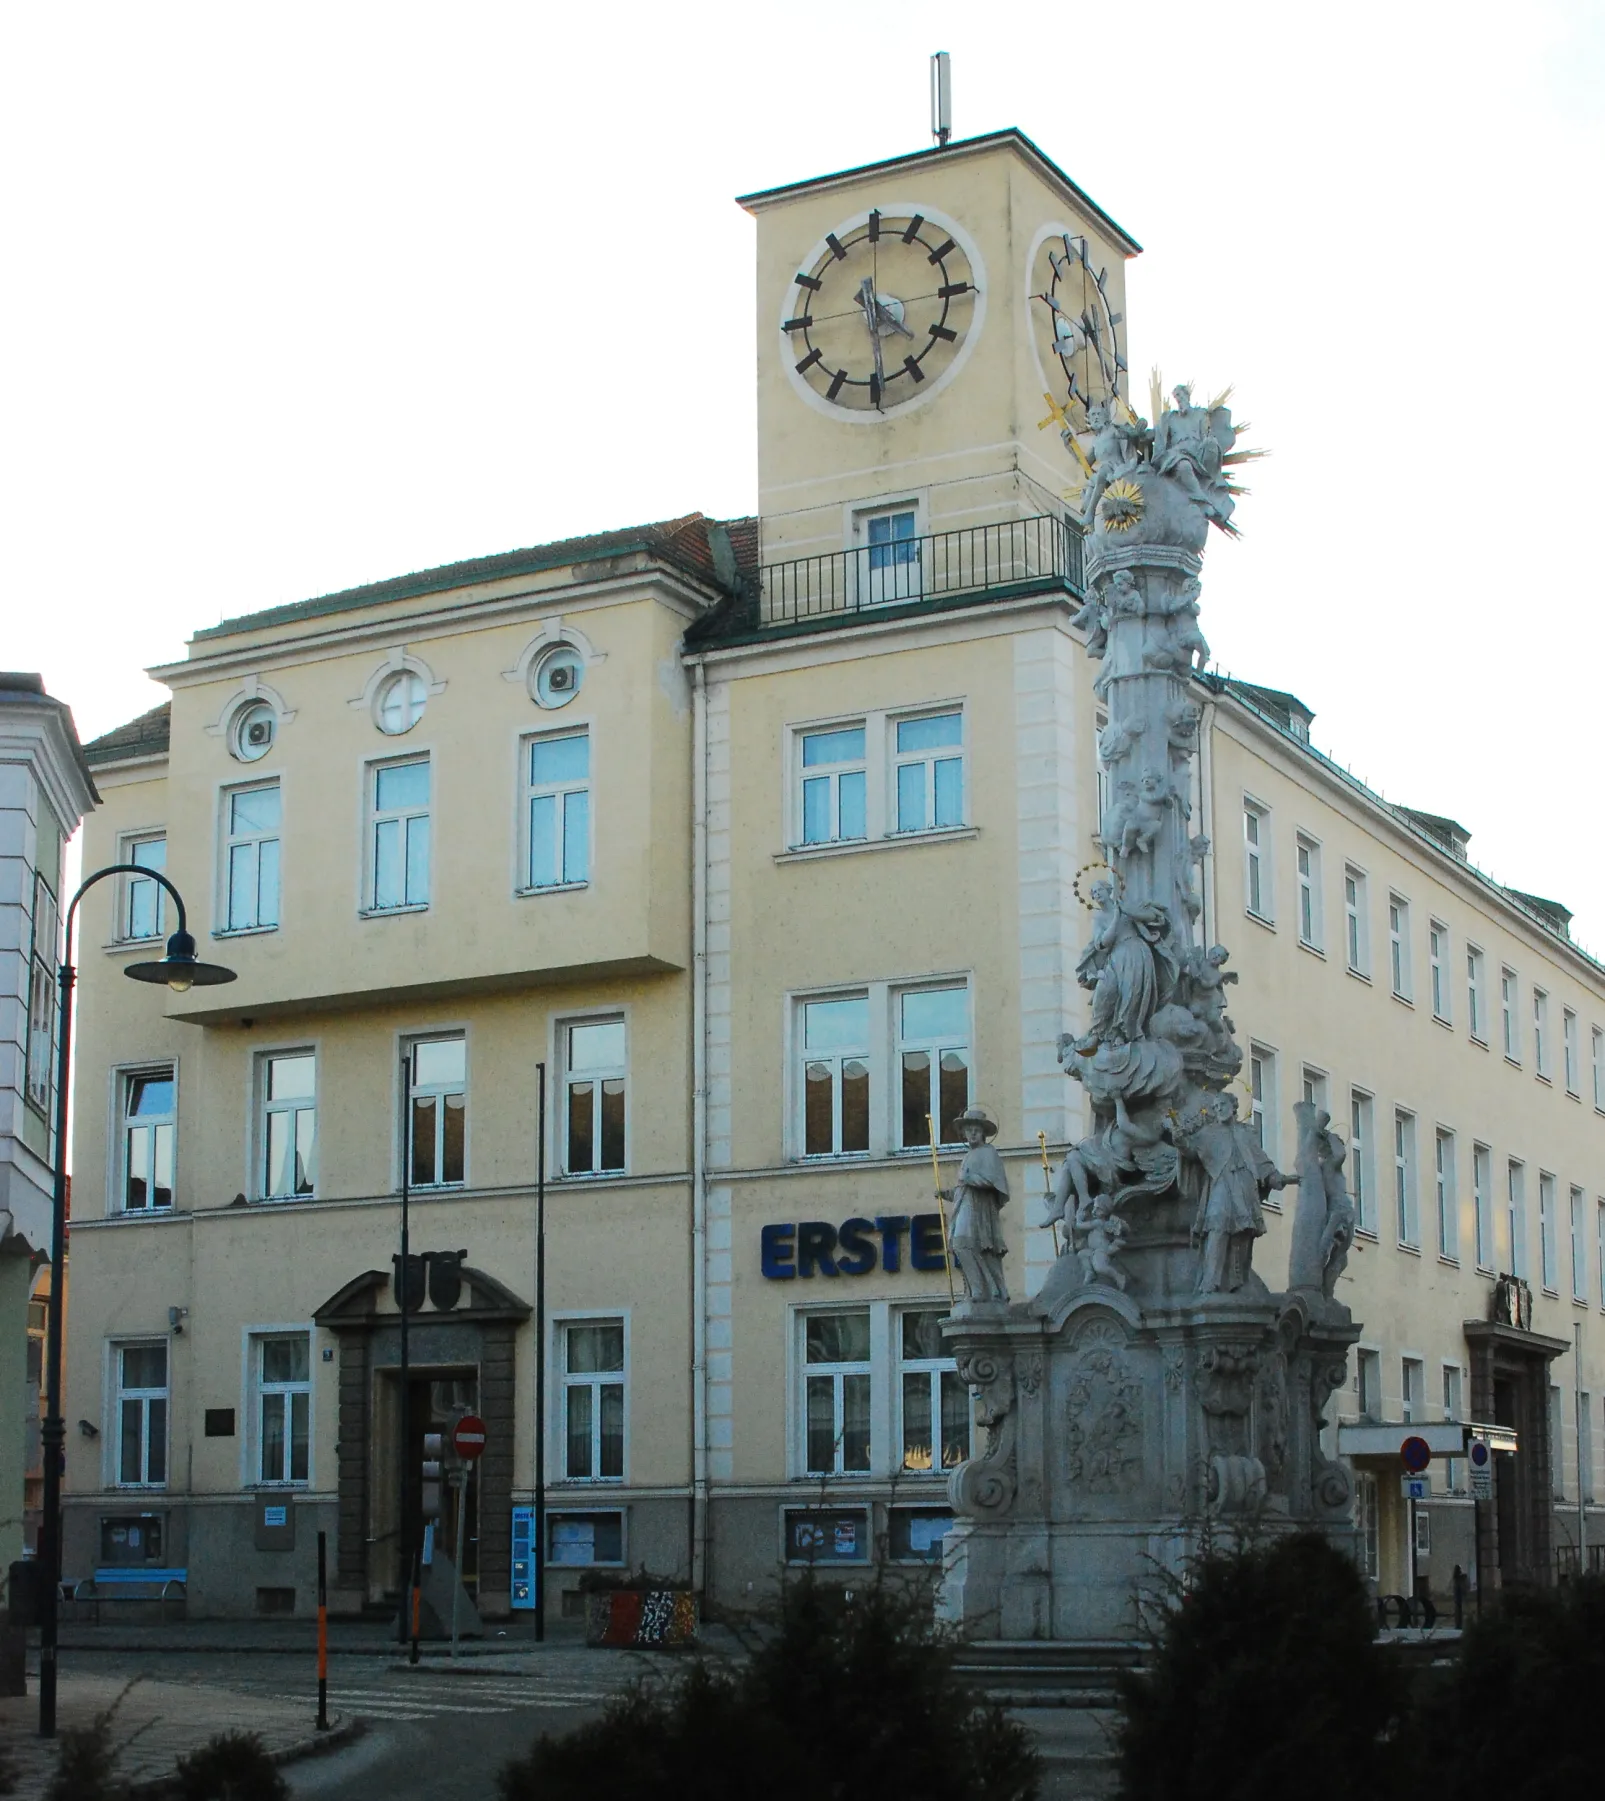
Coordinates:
<point>1516,1716</point>
<point>1265,1680</point>
<point>857,1700</point>
<point>233,1766</point>
<point>84,1764</point>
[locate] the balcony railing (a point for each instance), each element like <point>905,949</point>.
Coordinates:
<point>1019,555</point>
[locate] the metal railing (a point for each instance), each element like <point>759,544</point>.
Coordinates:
<point>983,559</point>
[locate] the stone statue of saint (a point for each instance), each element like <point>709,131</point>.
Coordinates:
<point>1237,1177</point>
<point>976,1230</point>
<point>1125,964</point>
<point>1189,443</point>
<point>1323,1222</point>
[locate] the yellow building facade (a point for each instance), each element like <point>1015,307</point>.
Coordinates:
<point>756,846</point>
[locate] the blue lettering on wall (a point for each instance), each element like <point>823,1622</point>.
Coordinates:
<point>891,1227</point>
<point>858,1251</point>
<point>815,1242</point>
<point>815,1248</point>
<point>777,1253</point>
<point>925,1242</point>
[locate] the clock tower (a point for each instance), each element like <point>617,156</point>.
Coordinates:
<point>912,315</point>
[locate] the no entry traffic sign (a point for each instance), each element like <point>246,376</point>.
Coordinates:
<point>468,1437</point>
<point>1417,1454</point>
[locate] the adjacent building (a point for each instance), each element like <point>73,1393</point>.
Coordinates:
<point>707,866</point>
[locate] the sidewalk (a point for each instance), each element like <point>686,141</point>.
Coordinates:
<point>155,1723</point>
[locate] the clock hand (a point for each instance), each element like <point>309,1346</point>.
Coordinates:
<point>870,306</point>
<point>888,320</point>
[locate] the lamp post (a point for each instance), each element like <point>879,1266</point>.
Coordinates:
<point>179,970</point>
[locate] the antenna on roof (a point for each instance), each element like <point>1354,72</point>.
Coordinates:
<point>941,98</point>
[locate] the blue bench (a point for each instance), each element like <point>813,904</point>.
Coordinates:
<point>136,1582</point>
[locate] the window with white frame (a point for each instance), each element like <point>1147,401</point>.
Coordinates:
<point>148,1135</point>
<point>593,1375</point>
<point>1368,1384</point>
<point>1510,1025</point>
<point>1541,1033</point>
<point>1548,1251</point>
<point>1599,1245</point>
<point>437,1110</point>
<point>144,901</point>
<point>1406,1220</point>
<point>1476,994</point>
<point>1356,937</point>
<point>1362,1179</point>
<point>836,1096</point>
<point>1438,968</point>
<point>39,1079</point>
<point>836,1393</point>
<point>289,1125</point>
<point>1453,1393</point>
<point>889,563</point>
<point>1568,1050</point>
<point>1368,1524</point>
<point>933,1401</point>
<point>1412,1390</point>
<point>1585,1444</point>
<point>594,1078</point>
<point>1516,1216</point>
<point>1579,1245</point>
<point>399,836</point>
<point>557,810</point>
<point>1597,1047</point>
<point>834,784</point>
<point>1446,1195</point>
<point>283,1379</point>
<point>1399,945</point>
<point>1257,859</point>
<point>1262,1109</point>
<point>252,820</point>
<point>139,1374</point>
<point>1557,1455</point>
<point>928,771</point>
<point>1314,1082</point>
<point>399,703</point>
<point>1482,1177</point>
<point>933,1056</point>
<point>1308,858</point>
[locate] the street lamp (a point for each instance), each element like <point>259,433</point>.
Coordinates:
<point>181,969</point>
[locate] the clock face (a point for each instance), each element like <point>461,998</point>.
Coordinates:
<point>883,312</point>
<point>1079,335</point>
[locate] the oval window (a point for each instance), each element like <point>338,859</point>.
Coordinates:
<point>255,728</point>
<point>401,703</point>
<point>558,676</point>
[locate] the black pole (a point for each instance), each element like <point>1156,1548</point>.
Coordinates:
<point>539,1547</point>
<point>403,1284</point>
<point>323,1632</point>
<point>1476,1518</point>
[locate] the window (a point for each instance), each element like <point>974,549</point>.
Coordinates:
<point>437,1134</point>
<point>1361,1165</point>
<point>1356,939</point>
<point>144,901</point>
<point>933,1038</point>
<point>141,1378</point>
<point>593,1111</point>
<point>1315,1087</point>
<point>42,998</point>
<point>558,810</point>
<point>1585,1442</point>
<point>400,703</point>
<point>1599,1245</point>
<point>1454,1468</point>
<point>1541,1033</point>
<point>149,1125</point>
<point>1516,1216</point>
<point>1368,1383</point>
<point>1309,893</point>
<point>585,1538</point>
<point>893,565</point>
<point>1438,966</point>
<point>1574,1201</point>
<point>1568,1050</point>
<point>1256,850</point>
<point>1404,1178</point>
<point>1399,945</point>
<point>400,836</point>
<point>915,1534</point>
<point>1476,1004</point>
<point>836,1076</point>
<point>593,1400</point>
<point>284,1407</point>
<point>935,1403</point>
<point>1547,1250</point>
<point>1448,1202</point>
<point>834,785</point>
<point>1597,1045</point>
<point>1368,1525</point>
<point>928,754</point>
<point>827,1535</point>
<point>1412,1390</point>
<point>1482,1176</point>
<point>251,858</point>
<point>1507,1010</point>
<point>1262,1089</point>
<point>1557,1456</point>
<point>290,1125</point>
<point>836,1382</point>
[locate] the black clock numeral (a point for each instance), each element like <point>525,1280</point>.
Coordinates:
<point>913,368</point>
<point>801,324</point>
<point>835,244</point>
<point>942,249</point>
<point>808,361</point>
<point>874,390</point>
<point>836,382</point>
<point>942,332</point>
<point>953,288</point>
<point>874,228</point>
<point>807,281</point>
<point>913,231</point>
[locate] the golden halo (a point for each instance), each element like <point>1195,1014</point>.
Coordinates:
<point>1121,506</point>
<point>1085,869</point>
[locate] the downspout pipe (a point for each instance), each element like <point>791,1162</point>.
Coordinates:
<point>699,1131</point>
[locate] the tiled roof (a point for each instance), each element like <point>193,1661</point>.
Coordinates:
<point>710,549</point>
<point>26,688</point>
<point>146,736</point>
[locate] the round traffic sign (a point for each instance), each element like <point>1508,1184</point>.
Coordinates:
<point>468,1437</point>
<point>1417,1454</point>
<point>1478,1454</point>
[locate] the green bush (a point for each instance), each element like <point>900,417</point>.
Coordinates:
<point>1516,1716</point>
<point>233,1766</point>
<point>856,1700</point>
<point>85,1757</point>
<point>1265,1680</point>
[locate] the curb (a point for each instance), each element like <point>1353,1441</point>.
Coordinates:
<point>162,1788</point>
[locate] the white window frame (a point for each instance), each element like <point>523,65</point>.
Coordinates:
<point>934,1369</point>
<point>1307,861</point>
<point>253,841</point>
<point>1399,970</point>
<point>1510,1023</point>
<point>1356,923</point>
<point>878,766</point>
<point>1412,1389</point>
<point>404,818</point>
<point>838,1372</point>
<point>267,1107</point>
<point>559,793</point>
<point>1597,1048</point>
<point>1367,1525</point>
<point>1368,1383</point>
<point>568,1079</point>
<point>1316,1087</point>
<point>1259,897</point>
<point>1452,1387</point>
<point>1516,1214</point>
<point>935,1047</point>
<point>898,760</point>
<point>124,1079</point>
<point>441,1091</point>
<point>1446,1193</point>
<point>1548,1233</point>
<point>1576,1202</point>
<point>1599,1245</point>
<point>1362,1160</point>
<point>1482,1182</point>
<point>43,999</point>
<point>870,584</point>
<point>1438,969</point>
<point>1541,1034</point>
<point>1406,1200</point>
<point>1264,1110</point>
<point>145,1397</point>
<point>132,888</point>
<point>260,1391</point>
<point>1477,994</point>
<point>565,1381</point>
<point>1570,1054</point>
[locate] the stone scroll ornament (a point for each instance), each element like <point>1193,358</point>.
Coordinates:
<point>1160,1054</point>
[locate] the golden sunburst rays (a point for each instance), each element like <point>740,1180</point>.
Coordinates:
<point>1121,506</point>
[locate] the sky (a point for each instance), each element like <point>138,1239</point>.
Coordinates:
<point>304,296</point>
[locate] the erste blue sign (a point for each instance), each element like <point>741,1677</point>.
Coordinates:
<point>813,1248</point>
